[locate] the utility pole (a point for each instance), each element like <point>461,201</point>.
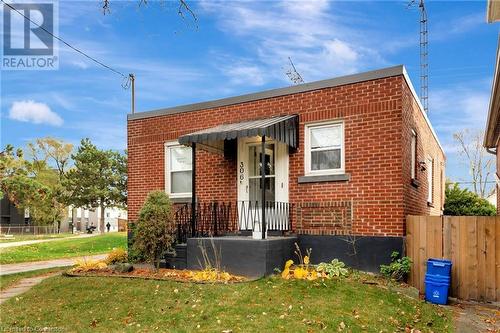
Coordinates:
<point>132,84</point>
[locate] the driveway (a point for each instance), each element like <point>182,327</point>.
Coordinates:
<point>476,317</point>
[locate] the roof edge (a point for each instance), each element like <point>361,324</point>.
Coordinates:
<point>335,82</point>
<point>421,108</point>
<point>494,107</point>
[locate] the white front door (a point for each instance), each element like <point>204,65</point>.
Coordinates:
<point>250,189</point>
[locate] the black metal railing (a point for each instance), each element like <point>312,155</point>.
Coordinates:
<point>221,218</point>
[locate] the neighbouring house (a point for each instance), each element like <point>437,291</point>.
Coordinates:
<point>10,215</point>
<point>82,218</point>
<point>333,165</point>
<point>492,198</point>
<point>492,133</point>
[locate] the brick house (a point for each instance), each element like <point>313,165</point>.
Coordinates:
<point>345,160</point>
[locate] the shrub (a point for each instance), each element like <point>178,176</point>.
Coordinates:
<point>335,268</point>
<point>464,202</point>
<point>118,255</point>
<point>398,269</point>
<point>89,265</point>
<point>155,229</point>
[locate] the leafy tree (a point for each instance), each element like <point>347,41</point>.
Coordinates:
<point>155,228</point>
<point>50,160</point>
<point>31,185</point>
<point>98,179</point>
<point>464,202</point>
<point>52,152</point>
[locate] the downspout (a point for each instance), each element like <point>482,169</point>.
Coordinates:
<point>193,190</point>
<point>492,150</point>
<point>263,185</point>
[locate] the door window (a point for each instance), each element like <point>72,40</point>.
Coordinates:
<point>254,173</point>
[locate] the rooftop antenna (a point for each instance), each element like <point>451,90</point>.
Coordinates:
<point>293,74</point>
<point>424,54</point>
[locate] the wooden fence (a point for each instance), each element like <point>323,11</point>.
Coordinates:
<point>471,242</point>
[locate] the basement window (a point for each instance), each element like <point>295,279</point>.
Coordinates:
<point>324,148</point>
<point>178,170</point>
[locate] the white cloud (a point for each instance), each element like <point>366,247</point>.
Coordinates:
<point>317,38</point>
<point>458,108</point>
<point>34,112</point>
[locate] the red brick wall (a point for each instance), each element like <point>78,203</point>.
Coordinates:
<point>415,194</point>
<point>372,114</point>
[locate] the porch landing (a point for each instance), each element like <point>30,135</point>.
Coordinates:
<point>242,255</point>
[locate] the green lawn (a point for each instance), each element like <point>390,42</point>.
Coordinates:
<point>20,238</point>
<point>63,249</point>
<point>87,304</point>
<point>11,279</point>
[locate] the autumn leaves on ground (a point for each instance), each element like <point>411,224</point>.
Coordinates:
<point>267,305</point>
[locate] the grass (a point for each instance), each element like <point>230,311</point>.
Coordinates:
<point>65,248</point>
<point>20,238</point>
<point>90,304</point>
<point>8,280</point>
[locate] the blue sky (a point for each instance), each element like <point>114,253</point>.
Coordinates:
<point>241,47</point>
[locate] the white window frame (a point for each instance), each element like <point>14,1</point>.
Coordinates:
<point>430,179</point>
<point>307,150</point>
<point>413,149</point>
<point>168,147</point>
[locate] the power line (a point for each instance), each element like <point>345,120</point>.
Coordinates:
<point>469,182</point>
<point>69,45</point>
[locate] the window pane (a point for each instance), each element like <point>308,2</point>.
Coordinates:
<point>325,137</point>
<point>325,160</point>
<point>255,193</point>
<point>254,159</point>
<point>181,182</point>
<point>430,179</point>
<point>413,155</point>
<point>180,158</point>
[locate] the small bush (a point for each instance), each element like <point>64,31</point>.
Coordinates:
<point>398,269</point>
<point>155,230</point>
<point>335,268</point>
<point>118,255</point>
<point>89,265</point>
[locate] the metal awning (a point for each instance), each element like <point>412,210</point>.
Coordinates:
<point>281,128</point>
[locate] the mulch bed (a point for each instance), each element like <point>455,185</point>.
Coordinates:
<point>148,274</point>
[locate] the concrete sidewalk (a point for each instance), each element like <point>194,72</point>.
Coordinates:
<point>23,286</point>
<point>33,266</point>
<point>35,241</point>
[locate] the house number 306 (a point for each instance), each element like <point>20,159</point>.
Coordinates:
<point>242,171</point>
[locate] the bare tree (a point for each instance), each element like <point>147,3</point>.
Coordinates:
<point>183,8</point>
<point>470,146</point>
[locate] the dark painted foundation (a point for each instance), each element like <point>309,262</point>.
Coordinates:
<point>365,253</point>
<point>255,258</point>
<point>242,255</point>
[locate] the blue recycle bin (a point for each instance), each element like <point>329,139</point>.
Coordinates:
<point>440,267</point>
<point>437,280</point>
<point>436,289</point>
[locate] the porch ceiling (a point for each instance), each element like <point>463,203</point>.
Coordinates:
<point>281,128</point>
